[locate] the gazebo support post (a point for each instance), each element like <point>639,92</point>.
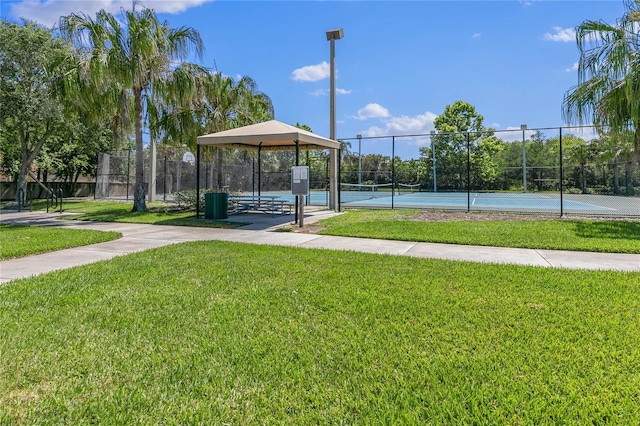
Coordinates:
<point>339,180</point>
<point>259,167</point>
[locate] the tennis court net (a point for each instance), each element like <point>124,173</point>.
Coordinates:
<point>407,188</point>
<point>356,191</point>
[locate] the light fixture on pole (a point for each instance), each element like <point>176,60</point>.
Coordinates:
<point>359,136</point>
<point>332,36</point>
<point>433,160</point>
<point>523,127</point>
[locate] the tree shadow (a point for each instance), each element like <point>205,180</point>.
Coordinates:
<point>608,229</point>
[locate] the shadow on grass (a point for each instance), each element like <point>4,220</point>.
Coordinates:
<point>153,218</point>
<point>608,229</point>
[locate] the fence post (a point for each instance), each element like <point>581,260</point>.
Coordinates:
<point>393,168</point>
<point>468,175</point>
<point>97,173</point>
<point>561,176</point>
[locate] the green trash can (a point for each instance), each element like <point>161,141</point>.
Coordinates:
<point>216,205</point>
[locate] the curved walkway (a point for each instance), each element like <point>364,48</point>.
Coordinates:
<point>138,237</point>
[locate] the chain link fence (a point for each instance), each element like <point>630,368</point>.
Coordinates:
<point>233,171</point>
<point>559,171</point>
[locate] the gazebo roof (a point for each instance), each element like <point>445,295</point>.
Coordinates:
<point>271,135</point>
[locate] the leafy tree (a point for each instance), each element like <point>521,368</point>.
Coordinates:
<point>129,59</point>
<point>76,150</point>
<point>485,169</point>
<point>410,171</point>
<point>454,125</point>
<point>608,89</point>
<point>32,112</point>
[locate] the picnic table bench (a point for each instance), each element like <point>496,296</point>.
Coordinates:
<point>259,203</point>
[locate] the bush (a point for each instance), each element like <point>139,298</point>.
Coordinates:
<point>187,199</point>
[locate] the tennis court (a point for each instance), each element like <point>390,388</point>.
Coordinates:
<point>408,196</point>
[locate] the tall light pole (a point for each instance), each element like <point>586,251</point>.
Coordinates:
<point>359,136</point>
<point>332,36</point>
<point>523,127</point>
<point>433,160</point>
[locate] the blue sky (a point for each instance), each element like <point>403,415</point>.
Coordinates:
<point>399,64</point>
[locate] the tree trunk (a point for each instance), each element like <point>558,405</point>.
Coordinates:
<point>139,204</point>
<point>27,156</point>
<point>22,181</point>
<point>219,183</point>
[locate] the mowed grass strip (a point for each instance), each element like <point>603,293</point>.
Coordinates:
<point>227,333</point>
<point>612,236</point>
<point>19,240</point>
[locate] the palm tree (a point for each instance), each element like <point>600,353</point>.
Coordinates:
<point>196,101</point>
<point>130,59</point>
<point>608,89</point>
<point>228,104</point>
<point>582,154</point>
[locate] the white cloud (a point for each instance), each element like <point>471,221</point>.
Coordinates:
<point>375,131</point>
<point>404,125</point>
<point>422,123</point>
<point>587,133</point>
<point>561,34</point>
<point>574,67</point>
<point>372,111</point>
<point>48,12</point>
<point>476,35</point>
<point>312,72</point>
<point>513,134</point>
<point>325,92</point>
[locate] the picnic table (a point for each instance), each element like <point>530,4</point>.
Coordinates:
<point>259,203</point>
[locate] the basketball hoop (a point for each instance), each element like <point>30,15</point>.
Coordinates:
<point>189,158</point>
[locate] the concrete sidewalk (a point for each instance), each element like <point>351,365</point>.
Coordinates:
<point>262,230</point>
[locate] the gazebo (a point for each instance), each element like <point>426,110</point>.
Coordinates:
<point>271,135</point>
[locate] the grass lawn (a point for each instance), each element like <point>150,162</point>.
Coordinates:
<point>159,213</point>
<point>613,236</point>
<point>18,241</point>
<point>227,333</point>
